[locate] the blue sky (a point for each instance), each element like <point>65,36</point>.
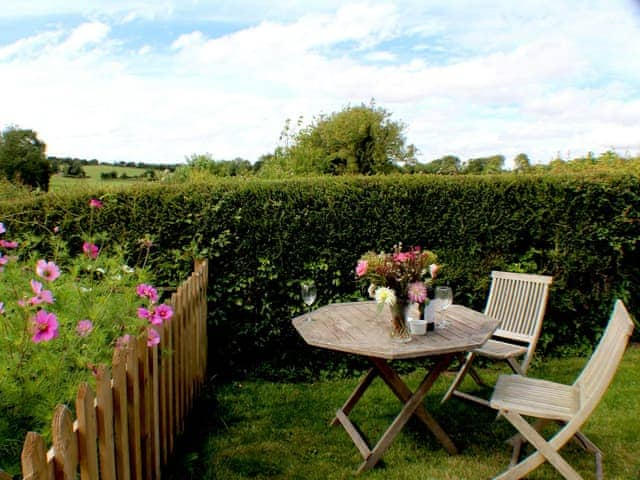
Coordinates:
<point>149,81</point>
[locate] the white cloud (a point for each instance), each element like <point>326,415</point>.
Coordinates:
<point>466,80</point>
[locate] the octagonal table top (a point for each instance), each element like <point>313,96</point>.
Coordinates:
<point>358,327</point>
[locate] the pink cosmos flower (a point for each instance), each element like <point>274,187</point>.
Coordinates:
<point>47,270</point>
<point>3,261</point>
<point>417,292</point>
<point>95,203</point>
<point>41,296</point>
<point>153,337</point>
<point>8,244</point>
<point>91,250</point>
<point>56,229</point>
<point>1,308</point>
<point>147,291</point>
<point>361,268</point>
<point>123,341</point>
<point>164,312</point>
<point>84,327</point>
<point>45,326</point>
<point>144,313</point>
<point>2,228</point>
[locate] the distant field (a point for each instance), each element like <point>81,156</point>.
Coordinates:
<point>93,172</point>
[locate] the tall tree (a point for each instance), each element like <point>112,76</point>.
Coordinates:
<point>447,165</point>
<point>361,139</point>
<point>522,163</point>
<point>23,159</point>
<point>493,164</point>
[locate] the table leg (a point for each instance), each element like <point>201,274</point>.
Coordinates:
<point>403,393</point>
<point>410,407</point>
<point>356,394</point>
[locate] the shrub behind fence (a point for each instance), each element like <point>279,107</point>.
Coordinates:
<point>126,429</point>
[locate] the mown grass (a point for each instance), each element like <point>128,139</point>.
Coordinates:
<point>265,430</point>
<point>93,178</point>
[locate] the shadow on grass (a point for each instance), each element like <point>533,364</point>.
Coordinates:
<point>262,429</point>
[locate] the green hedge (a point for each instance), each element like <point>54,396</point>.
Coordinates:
<point>263,237</point>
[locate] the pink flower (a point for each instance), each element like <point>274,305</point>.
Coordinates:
<point>144,313</point>
<point>403,256</point>
<point>40,295</point>
<point>90,250</point>
<point>84,327</point>
<point>2,228</point>
<point>164,312</point>
<point>45,326</point>
<point>47,270</point>
<point>434,268</point>
<point>147,291</point>
<point>56,229</point>
<point>153,337</point>
<point>361,268</point>
<point>1,308</point>
<point>123,341</point>
<point>95,203</point>
<point>417,292</point>
<point>3,261</point>
<point>8,244</point>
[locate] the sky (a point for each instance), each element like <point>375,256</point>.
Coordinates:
<point>157,81</point>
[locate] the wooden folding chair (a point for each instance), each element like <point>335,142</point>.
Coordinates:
<point>519,301</point>
<point>569,405</point>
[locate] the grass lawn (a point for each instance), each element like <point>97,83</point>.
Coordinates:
<point>259,429</point>
<point>59,183</point>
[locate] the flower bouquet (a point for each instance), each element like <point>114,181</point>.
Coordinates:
<point>398,279</point>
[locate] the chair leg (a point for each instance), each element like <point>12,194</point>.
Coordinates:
<point>466,365</point>
<point>515,366</point>
<point>545,451</point>
<point>518,441</point>
<point>591,447</point>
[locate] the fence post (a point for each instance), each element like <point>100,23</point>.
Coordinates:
<point>65,444</point>
<point>87,433</point>
<point>104,411</point>
<point>34,459</point>
<point>121,427</point>
<point>133,410</point>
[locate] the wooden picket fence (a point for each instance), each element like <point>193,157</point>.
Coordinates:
<point>126,430</point>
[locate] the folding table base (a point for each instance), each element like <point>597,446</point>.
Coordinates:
<point>412,406</point>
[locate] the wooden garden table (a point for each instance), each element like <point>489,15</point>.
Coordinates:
<point>359,329</point>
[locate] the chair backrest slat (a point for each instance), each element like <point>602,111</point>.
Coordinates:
<point>519,301</point>
<point>599,371</point>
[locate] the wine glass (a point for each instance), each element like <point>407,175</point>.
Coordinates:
<point>309,294</point>
<point>443,298</point>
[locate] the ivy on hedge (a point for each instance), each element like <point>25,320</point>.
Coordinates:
<point>263,236</point>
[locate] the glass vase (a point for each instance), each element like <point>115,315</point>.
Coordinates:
<point>399,327</point>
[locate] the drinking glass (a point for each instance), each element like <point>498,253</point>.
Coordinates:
<point>443,298</point>
<point>309,294</point>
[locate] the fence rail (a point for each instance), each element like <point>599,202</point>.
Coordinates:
<point>126,429</point>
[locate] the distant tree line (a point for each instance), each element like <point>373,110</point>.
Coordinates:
<point>364,140</point>
<point>359,139</point>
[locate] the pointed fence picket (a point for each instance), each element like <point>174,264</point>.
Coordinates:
<point>126,429</point>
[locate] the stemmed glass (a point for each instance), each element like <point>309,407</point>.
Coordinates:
<point>309,294</point>
<point>443,298</point>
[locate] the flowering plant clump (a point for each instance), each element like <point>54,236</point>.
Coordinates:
<point>398,277</point>
<point>60,314</point>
